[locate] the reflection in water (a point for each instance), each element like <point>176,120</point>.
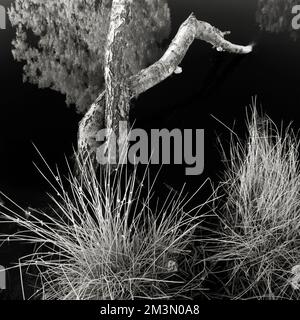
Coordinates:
<point>62,42</point>
<point>276,16</point>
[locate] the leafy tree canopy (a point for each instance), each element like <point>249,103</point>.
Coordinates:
<point>62,43</point>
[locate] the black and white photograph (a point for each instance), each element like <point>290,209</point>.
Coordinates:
<point>149,151</point>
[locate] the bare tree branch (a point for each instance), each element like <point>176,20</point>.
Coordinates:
<point>190,30</point>
<point>113,104</point>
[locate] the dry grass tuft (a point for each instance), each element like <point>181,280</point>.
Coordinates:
<point>259,241</point>
<point>106,240</point>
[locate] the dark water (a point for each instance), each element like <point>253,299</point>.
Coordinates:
<point>212,83</point>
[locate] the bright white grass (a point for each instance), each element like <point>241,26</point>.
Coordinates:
<point>106,240</point>
<point>259,241</point>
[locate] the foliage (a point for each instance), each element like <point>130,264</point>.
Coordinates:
<point>102,240</point>
<point>258,244</point>
<point>62,42</point>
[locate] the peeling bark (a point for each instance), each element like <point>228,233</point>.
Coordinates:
<point>190,30</point>
<point>113,104</point>
<point>116,71</point>
<point>90,124</point>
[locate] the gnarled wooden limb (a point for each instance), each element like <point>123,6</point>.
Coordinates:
<point>190,30</point>
<point>116,71</point>
<point>113,104</point>
<point>91,123</point>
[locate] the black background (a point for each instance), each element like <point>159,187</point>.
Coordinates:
<point>212,83</point>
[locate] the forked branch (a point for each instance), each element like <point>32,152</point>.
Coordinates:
<point>190,30</point>
<point>114,102</point>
